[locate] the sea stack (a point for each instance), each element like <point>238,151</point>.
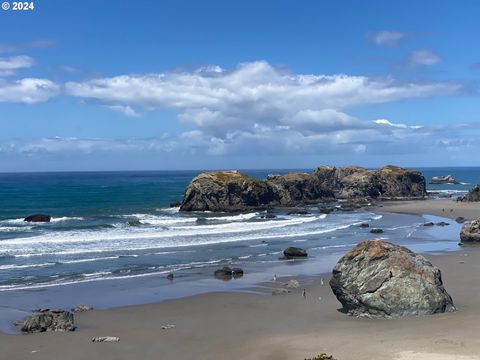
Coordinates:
<point>231,191</point>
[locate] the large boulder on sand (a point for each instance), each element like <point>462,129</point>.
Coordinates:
<point>473,194</point>
<point>226,191</point>
<point>389,182</point>
<point>380,279</point>
<point>38,218</point>
<point>49,320</point>
<point>471,231</point>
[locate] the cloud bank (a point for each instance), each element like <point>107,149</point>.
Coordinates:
<point>254,109</point>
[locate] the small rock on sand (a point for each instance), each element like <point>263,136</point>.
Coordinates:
<point>168,326</point>
<point>106,339</point>
<point>292,284</point>
<point>82,308</point>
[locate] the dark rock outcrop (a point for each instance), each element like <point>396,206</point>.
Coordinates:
<point>473,194</point>
<point>232,191</point>
<point>429,224</point>
<point>227,273</point>
<point>470,232</point>
<point>389,182</point>
<point>442,223</point>
<point>227,191</point>
<point>175,204</point>
<point>381,279</point>
<point>38,218</point>
<point>325,210</point>
<point>294,252</point>
<point>460,219</point>
<point>376,231</point>
<point>49,320</point>
<point>364,225</point>
<point>298,188</point>
<point>448,179</point>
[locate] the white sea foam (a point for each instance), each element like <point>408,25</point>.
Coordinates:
<point>25,266</point>
<point>78,237</point>
<point>240,217</point>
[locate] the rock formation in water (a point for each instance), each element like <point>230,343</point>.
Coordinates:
<point>380,279</point>
<point>233,191</point>
<point>294,252</point>
<point>389,182</point>
<point>448,179</point>
<point>38,218</point>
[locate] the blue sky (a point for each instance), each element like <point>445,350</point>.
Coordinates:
<point>127,85</point>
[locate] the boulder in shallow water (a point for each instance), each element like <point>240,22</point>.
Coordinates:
<point>228,273</point>
<point>49,320</point>
<point>460,219</point>
<point>429,224</point>
<point>442,223</point>
<point>471,232</point>
<point>294,252</point>
<point>376,231</point>
<point>38,218</point>
<point>381,279</point>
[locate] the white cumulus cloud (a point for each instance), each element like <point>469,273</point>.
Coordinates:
<point>28,90</point>
<point>8,66</point>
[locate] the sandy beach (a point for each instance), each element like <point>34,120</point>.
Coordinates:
<point>449,208</point>
<point>257,325</point>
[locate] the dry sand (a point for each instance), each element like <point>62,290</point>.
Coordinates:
<point>448,208</point>
<point>253,326</point>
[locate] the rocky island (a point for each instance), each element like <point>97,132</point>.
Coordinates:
<point>448,179</point>
<point>232,191</point>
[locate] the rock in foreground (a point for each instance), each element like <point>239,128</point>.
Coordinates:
<point>380,279</point>
<point>471,232</point>
<point>49,320</point>
<point>38,218</point>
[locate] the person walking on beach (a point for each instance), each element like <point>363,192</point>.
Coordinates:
<point>274,277</point>
<point>304,294</point>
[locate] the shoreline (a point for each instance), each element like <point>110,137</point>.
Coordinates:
<point>249,325</point>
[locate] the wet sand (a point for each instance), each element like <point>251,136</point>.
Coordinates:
<point>261,326</point>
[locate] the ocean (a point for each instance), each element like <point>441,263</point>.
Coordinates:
<point>117,225</point>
